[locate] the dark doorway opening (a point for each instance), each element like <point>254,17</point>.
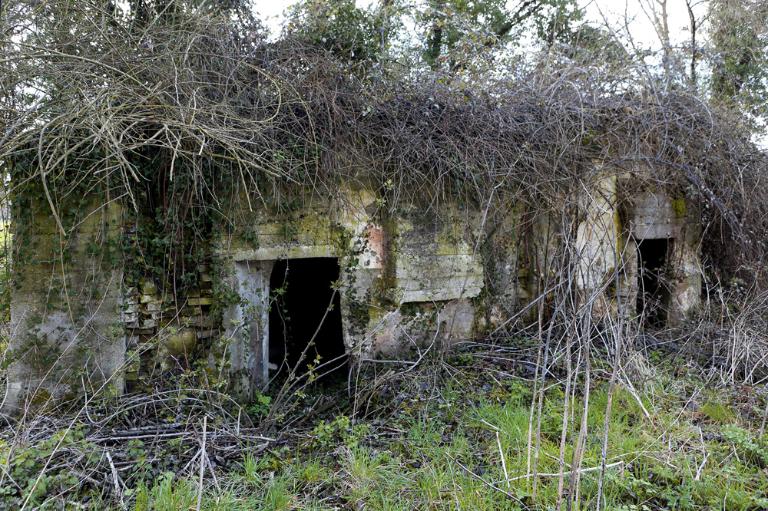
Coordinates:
<point>652,280</point>
<point>305,318</point>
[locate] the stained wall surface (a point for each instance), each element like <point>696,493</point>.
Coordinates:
<point>402,280</point>
<point>67,336</point>
<point>417,280</point>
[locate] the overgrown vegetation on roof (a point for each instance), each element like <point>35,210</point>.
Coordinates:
<point>176,113</point>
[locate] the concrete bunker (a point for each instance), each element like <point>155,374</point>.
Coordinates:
<point>405,284</point>
<point>399,289</point>
<point>638,253</point>
<point>305,322</point>
<point>665,234</point>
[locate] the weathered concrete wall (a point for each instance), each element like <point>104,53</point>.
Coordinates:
<point>437,271</point>
<point>434,258</point>
<point>414,281</point>
<point>506,269</point>
<point>395,272</point>
<point>248,250</point>
<point>658,216</point>
<point>604,245</point>
<point>67,337</point>
<point>598,248</point>
<point>410,281</point>
<point>247,327</point>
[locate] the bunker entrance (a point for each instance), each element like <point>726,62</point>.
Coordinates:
<point>305,329</point>
<point>653,295</point>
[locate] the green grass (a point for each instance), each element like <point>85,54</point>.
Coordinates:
<point>443,449</point>
<point>446,456</point>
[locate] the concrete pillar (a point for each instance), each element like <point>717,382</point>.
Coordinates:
<point>246,326</point>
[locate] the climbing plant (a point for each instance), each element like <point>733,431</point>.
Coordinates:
<point>178,109</point>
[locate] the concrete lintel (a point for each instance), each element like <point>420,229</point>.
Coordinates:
<point>281,252</point>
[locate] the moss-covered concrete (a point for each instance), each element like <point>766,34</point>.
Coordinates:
<point>409,279</point>
<point>67,334</point>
